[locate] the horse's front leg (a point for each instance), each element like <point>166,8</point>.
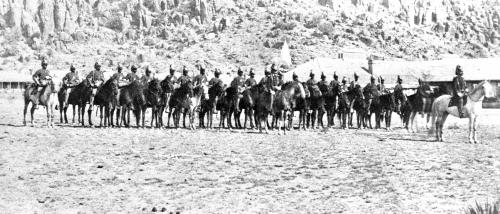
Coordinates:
<point>24,113</point>
<point>474,129</point>
<point>101,116</point>
<point>471,130</point>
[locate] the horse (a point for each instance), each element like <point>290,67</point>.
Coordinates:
<point>46,97</point>
<point>193,104</point>
<point>80,96</point>
<point>372,105</point>
<point>383,109</point>
<point>247,105</point>
<point>360,106</point>
<point>210,105</point>
<point>331,103</point>
<point>63,105</point>
<point>106,99</point>
<point>317,106</point>
<point>346,99</point>
<point>264,100</point>
<point>152,95</point>
<point>132,98</point>
<point>472,110</point>
<point>285,101</point>
<point>420,102</point>
<point>167,88</point>
<point>302,105</point>
<point>232,97</point>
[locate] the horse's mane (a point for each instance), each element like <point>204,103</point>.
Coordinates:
<point>478,87</point>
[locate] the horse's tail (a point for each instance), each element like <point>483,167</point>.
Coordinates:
<point>434,112</point>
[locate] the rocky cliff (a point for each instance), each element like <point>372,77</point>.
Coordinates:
<point>242,33</point>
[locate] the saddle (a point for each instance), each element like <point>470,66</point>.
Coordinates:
<point>454,101</point>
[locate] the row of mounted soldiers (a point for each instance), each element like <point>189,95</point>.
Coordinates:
<point>272,83</point>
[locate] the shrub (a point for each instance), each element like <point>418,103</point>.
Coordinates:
<point>486,208</point>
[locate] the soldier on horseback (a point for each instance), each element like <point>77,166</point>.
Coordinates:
<point>184,79</point>
<point>238,84</point>
<point>69,81</point>
<point>323,84</point>
<point>459,89</point>
<point>96,77</point>
<point>371,91</point>
<point>215,80</point>
<point>147,77</point>
<point>251,81</point>
<point>335,82</point>
<point>295,78</point>
<point>381,85</point>
<point>355,82</point>
<point>267,82</point>
<point>40,78</point>
<point>275,78</point>
<point>132,76</point>
<point>200,79</point>
<point>171,77</point>
<point>118,77</point>
<point>344,87</point>
<point>311,82</point>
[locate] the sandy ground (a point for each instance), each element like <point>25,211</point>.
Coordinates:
<point>71,169</point>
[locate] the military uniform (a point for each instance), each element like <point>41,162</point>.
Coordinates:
<point>184,79</point>
<point>250,82</point>
<point>215,81</point>
<point>267,83</point>
<point>323,86</point>
<point>146,79</point>
<point>459,89</point>
<point>95,78</point>
<point>131,77</point>
<point>334,83</point>
<point>41,75</point>
<point>70,79</point>
<point>200,79</point>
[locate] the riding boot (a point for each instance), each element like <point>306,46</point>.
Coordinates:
<point>460,107</point>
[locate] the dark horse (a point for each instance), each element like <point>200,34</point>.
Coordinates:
<point>63,107</point>
<point>331,103</point>
<point>285,100</point>
<point>106,100</point>
<point>420,102</point>
<point>382,106</point>
<point>152,92</point>
<point>345,100</point>
<point>317,107</point>
<point>302,105</point>
<point>46,97</point>
<point>185,100</point>
<point>231,99</point>
<point>247,105</point>
<point>372,105</point>
<point>167,88</point>
<point>132,98</point>
<point>360,106</point>
<point>80,96</point>
<point>209,106</point>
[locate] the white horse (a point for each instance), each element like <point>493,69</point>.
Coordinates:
<point>472,110</point>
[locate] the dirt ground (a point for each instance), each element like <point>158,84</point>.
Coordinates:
<point>71,169</point>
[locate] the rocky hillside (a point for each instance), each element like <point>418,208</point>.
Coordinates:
<point>229,33</point>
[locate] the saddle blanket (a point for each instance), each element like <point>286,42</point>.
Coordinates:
<point>454,101</point>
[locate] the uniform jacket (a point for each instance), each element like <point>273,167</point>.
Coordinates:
<point>459,85</point>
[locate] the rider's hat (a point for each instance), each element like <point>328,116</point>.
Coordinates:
<point>344,79</point>
<point>133,68</point>
<point>72,67</point>
<point>217,72</point>
<point>44,62</point>
<point>323,75</point>
<point>458,69</point>
<point>356,75</point>
<point>399,79</point>
<point>148,70</point>
<point>311,74</point>
<point>171,69</point>
<point>372,78</point>
<point>294,75</point>
<point>381,79</point>
<point>335,75</point>
<point>251,72</point>
<point>240,72</point>
<point>97,65</point>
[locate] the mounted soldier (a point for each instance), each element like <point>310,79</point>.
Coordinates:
<point>96,77</point>
<point>200,79</point>
<point>381,85</point>
<point>311,82</point>
<point>267,82</point>
<point>69,81</point>
<point>251,81</point>
<point>171,77</point>
<point>41,79</point>
<point>355,82</point>
<point>184,79</point>
<point>216,80</point>
<point>147,77</point>
<point>132,76</point>
<point>335,82</point>
<point>323,84</point>
<point>371,91</point>
<point>459,89</point>
<point>238,84</point>
<point>275,78</point>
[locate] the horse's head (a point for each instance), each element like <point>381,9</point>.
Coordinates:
<point>198,91</point>
<point>295,89</point>
<point>307,93</point>
<point>487,89</point>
